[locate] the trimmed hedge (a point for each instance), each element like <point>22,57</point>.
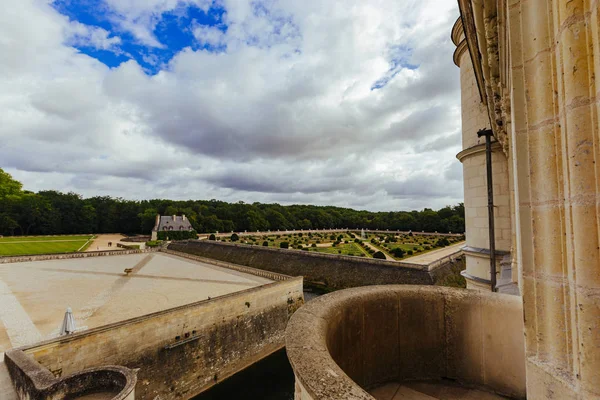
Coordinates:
<point>177,235</point>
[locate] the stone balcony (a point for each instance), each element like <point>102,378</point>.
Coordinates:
<point>408,342</point>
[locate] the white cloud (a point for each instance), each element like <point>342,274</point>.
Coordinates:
<point>81,35</point>
<point>209,35</point>
<point>286,113</point>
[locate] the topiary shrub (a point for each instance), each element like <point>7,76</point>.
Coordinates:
<point>212,237</point>
<point>266,244</point>
<point>234,237</point>
<point>379,255</point>
<point>410,252</point>
<point>177,235</point>
<point>313,245</point>
<point>284,245</point>
<point>300,247</point>
<point>443,242</point>
<point>398,252</point>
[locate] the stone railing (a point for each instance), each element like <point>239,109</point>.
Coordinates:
<point>66,256</point>
<point>342,344</point>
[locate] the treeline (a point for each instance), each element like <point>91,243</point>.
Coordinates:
<point>51,212</point>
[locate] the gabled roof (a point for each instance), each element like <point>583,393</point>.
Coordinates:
<point>173,223</point>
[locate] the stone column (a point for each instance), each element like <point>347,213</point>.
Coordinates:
<point>554,52</point>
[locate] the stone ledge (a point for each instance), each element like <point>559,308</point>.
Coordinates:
<point>477,149</point>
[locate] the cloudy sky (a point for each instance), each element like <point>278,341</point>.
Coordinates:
<point>345,102</point>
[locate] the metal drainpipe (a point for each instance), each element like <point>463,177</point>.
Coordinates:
<point>490,188</point>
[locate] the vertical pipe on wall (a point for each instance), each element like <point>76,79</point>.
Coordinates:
<point>490,189</point>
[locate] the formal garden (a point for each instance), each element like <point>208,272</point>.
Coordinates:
<point>375,245</point>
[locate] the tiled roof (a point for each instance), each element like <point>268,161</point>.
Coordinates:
<point>174,223</point>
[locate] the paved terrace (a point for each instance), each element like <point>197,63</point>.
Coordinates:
<point>35,295</point>
<point>434,255</point>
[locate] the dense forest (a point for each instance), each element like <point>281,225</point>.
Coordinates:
<point>50,212</point>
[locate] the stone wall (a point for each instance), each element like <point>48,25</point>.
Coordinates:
<point>350,341</point>
<point>258,272</point>
<point>335,272</point>
<point>539,61</point>
<point>182,351</point>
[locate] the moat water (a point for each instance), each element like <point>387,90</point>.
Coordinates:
<point>272,378</point>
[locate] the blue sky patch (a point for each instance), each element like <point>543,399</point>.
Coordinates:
<point>400,58</point>
<point>174,31</point>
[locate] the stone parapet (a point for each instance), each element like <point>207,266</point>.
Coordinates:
<point>342,344</point>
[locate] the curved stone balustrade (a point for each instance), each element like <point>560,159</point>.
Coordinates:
<point>347,342</point>
<point>33,381</point>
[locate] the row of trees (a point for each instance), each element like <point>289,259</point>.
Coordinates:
<point>51,212</point>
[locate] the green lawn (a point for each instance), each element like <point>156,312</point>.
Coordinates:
<point>16,246</point>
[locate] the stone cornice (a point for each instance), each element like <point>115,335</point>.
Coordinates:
<point>468,22</point>
<point>484,253</point>
<point>479,148</point>
<point>482,22</point>
<point>460,50</point>
<point>475,278</point>
<point>457,32</point>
